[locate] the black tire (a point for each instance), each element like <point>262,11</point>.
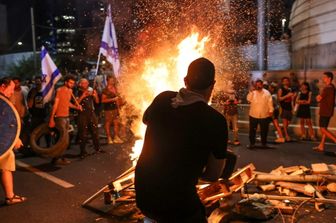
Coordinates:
<point>55,150</point>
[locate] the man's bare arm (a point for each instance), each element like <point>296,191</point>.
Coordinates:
<point>53,112</point>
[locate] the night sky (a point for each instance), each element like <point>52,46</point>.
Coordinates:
<point>18,23</point>
<point>18,18</point>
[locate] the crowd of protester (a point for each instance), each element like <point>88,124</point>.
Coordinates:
<point>97,103</point>
<point>85,100</point>
<point>279,103</point>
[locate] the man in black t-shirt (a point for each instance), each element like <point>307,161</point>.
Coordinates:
<point>37,108</point>
<point>182,132</point>
<point>286,96</point>
<point>87,119</point>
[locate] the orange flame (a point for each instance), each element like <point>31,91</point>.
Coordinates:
<point>166,74</point>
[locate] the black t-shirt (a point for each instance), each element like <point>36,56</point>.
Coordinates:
<point>177,145</point>
<point>110,105</point>
<point>38,109</point>
<point>287,103</point>
<point>87,104</point>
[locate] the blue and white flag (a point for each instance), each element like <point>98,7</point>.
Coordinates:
<point>109,46</point>
<point>50,75</point>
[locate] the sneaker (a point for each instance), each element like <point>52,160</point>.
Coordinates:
<point>117,140</point>
<point>61,161</point>
<point>83,155</point>
<point>109,140</point>
<point>279,140</point>
<point>236,143</point>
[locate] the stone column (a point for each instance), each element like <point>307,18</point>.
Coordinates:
<point>262,36</point>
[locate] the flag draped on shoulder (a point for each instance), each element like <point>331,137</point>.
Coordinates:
<point>50,75</point>
<point>109,46</point>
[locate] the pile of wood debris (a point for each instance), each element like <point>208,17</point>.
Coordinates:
<point>248,193</point>
<point>284,190</point>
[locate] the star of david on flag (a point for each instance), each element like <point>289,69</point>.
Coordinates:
<point>50,75</point>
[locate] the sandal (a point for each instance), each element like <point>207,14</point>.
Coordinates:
<point>15,200</point>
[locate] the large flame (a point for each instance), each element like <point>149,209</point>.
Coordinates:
<point>166,74</point>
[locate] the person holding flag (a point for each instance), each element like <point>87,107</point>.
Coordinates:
<point>60,111</point>
<point>50,75</point>
<point>109,46</point>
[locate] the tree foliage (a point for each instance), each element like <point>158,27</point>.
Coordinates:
<point>24,68</point>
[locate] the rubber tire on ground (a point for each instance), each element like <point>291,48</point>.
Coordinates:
<point>55,150</point>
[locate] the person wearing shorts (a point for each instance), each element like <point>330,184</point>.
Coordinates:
<point>302,102</point>
<point>275,118</point>
<point>7,160</point>
<point>327,104</point>
<point>110,101</point>
<point>285,97</point>
<point>231,115</point>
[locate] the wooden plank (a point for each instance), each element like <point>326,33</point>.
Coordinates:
<point>298,178</point>
<point>320,168</point>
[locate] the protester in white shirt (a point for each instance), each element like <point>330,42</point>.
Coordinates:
<point>261,109</point>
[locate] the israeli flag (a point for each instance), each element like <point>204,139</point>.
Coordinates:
<point>109,46</point>
<point>50,75</point>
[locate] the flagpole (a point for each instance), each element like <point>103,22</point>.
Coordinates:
<point>97,63</point>
<point>33,38</point>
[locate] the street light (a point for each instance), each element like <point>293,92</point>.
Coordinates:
<point>19,43</point>
<point>283,22</point>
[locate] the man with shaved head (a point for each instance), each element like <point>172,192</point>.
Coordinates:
<point>182,132</point>
<point>87,119</point>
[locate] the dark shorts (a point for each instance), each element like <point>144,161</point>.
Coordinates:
<point>275,114</point>
<point>285,114</point>
<point>111,115</point>
<point>324,121</point>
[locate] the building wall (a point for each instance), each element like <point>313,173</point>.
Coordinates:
<point>313,25</point>
<point>278,55</point>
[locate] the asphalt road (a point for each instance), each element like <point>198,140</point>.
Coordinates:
<point>49,201</point>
